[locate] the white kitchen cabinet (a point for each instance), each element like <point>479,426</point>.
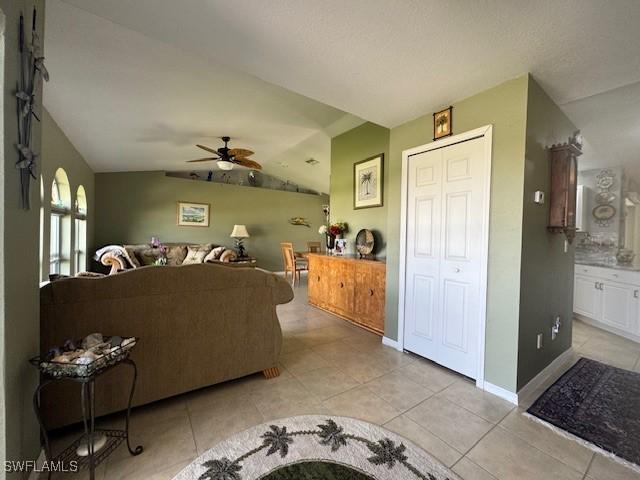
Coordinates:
<point>619,306</point>
<point>609,299</point>
<point>586,296</point>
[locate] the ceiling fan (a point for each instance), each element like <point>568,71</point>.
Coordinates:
<point>228,157</point>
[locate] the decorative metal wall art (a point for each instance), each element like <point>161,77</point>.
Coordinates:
<point>32,72</point>
<point>604,212</point>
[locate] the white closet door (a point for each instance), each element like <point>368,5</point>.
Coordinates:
<point>445,215</point>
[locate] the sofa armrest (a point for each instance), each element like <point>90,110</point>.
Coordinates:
<point>116,263</point>
<point>283,292</point>
<point>227,256</point>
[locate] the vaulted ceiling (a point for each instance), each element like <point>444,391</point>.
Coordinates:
<point>386,61</point>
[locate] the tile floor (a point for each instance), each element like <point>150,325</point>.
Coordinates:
<point>330,367</point>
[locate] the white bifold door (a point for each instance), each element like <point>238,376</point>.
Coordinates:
<point>446,254</point>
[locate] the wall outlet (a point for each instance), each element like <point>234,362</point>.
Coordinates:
<point>555,328</point>
<point>539,341</point>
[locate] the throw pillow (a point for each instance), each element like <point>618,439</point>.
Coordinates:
<point>196,254</point>
<point>214,254</point>
<point>176,255</point>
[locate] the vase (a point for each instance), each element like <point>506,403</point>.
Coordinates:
<point>331,243</point>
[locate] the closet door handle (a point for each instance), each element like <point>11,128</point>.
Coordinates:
<point>371,292</point>
<point>341,285</point>
<point>636,294</point>
<point>596,286</point>
<point>318,277</point>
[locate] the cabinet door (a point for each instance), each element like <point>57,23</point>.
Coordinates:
<point>619,307</point>
<point>370,295</point>
<point>586,296</point>
<point>318,281</point>
<point>342,285</point>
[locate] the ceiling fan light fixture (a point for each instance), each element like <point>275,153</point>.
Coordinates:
<point>225,165</point>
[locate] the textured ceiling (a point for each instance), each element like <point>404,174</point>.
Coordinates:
<point>386,61</point>
<point>392,60</point>
<point>129,102</point>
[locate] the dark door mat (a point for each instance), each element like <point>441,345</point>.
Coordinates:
<point>597,403</point>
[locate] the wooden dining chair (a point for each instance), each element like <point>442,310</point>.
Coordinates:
<point>313,247</point>
<point>291,263</point>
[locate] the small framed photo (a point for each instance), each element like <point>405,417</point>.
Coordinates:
<point>368,182</point>
<point>341,246</point>
<point>443,123</point>
<point>193,214</point>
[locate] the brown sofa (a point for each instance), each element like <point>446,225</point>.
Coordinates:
<point>125,257</point>
<point>198,325</point>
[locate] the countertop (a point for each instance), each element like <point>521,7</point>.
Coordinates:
<point>634,267</point>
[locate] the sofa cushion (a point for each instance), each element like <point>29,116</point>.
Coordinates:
<point>176,255</point>
<point>196,254</point>
<point>214,254</point>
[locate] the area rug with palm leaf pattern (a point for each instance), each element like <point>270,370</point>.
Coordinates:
<point>314,447</point>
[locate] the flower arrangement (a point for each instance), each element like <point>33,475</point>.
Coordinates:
<point>333,229</point>
<point>337,229</point>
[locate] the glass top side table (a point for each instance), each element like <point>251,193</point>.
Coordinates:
<point>97,443</point>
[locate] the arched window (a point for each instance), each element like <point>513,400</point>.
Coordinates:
<point>80,243</point>
<point>60,238</point>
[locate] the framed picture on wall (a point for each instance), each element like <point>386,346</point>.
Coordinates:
<point>443,123</point>
<point>368,182</point>
<point>193,214</point>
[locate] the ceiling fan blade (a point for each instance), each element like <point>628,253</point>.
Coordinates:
<point>207,159</point>
<point>240,152</point>
<point>245,162</point>
<point>208,149</point>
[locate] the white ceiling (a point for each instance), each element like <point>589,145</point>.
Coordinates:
<point>611,123</point>
<point>128,102</point>
<point>383,60</point>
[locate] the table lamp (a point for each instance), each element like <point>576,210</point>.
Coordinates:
<point>240,233</point>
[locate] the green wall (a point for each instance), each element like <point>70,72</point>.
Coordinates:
<point>504,107</point>
<point>546,282</point>
<point>347,149</point>
<point>59,152</point>
<point>530,278</point>
<point>134,206</point>
<point>19,299</point>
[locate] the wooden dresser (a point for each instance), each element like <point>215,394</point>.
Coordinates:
<point>349,287</point>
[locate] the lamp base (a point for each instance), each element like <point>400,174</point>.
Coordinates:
<point>240,247</point>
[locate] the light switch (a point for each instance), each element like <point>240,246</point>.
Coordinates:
<point>538,197</point>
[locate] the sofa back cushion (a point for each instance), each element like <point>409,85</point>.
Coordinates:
<point>147,255</point>
<point>176,255</point>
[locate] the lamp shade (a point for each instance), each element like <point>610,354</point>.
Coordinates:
<point>225,165</point>
<point>239,231</point>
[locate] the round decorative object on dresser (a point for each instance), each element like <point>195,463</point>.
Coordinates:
<point>365,242</point>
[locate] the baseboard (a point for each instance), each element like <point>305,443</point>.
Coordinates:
<point>607,328</point>
<point>559,362</point>
<point>503,393</point>
<point>389,342</point>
